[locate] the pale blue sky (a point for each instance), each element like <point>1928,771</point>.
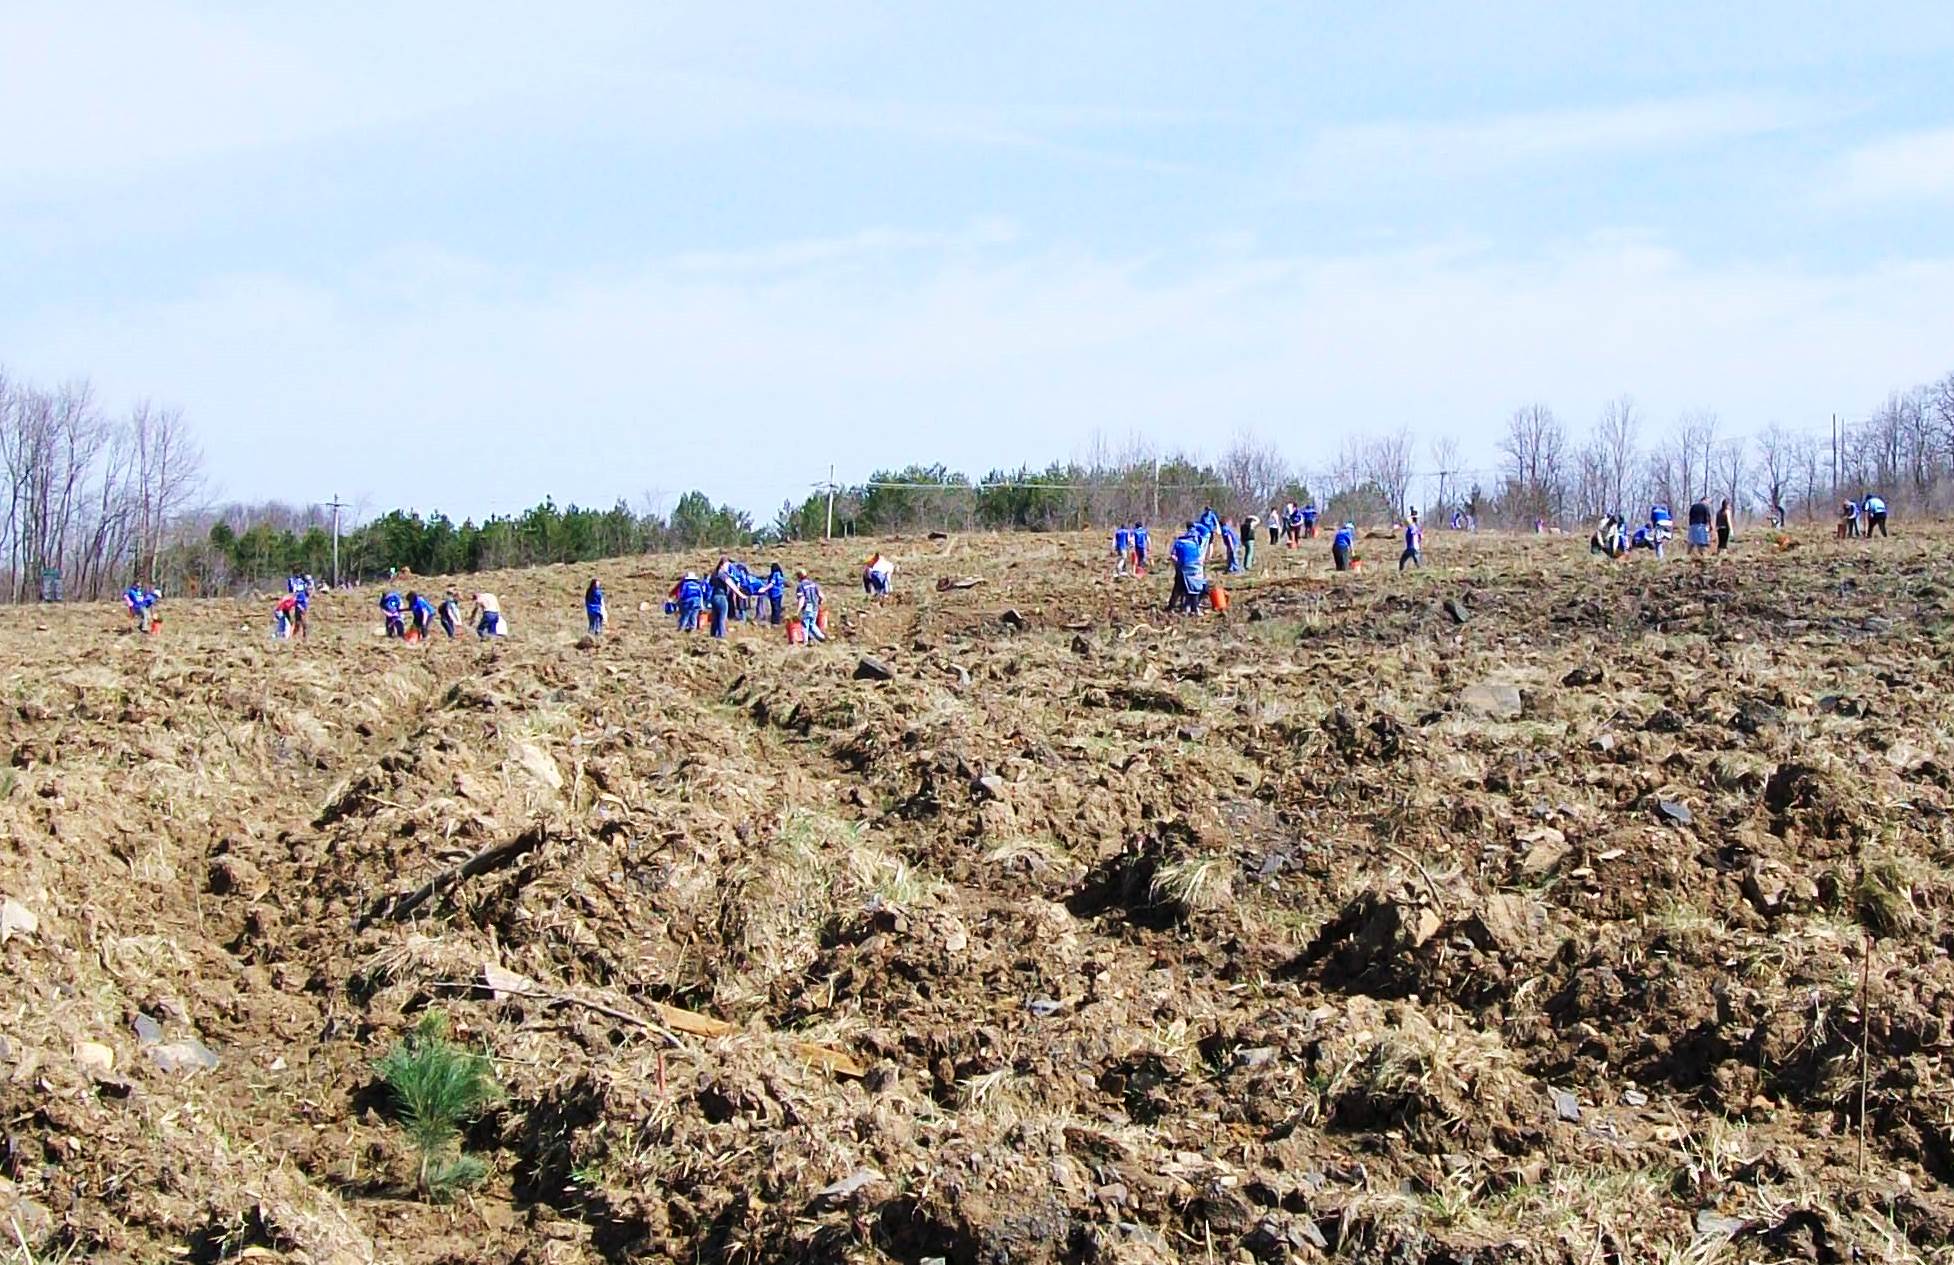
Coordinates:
<point>466,256</point>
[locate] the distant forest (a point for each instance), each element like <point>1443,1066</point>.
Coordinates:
<point>94,500</point>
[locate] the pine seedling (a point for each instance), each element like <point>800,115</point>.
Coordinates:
<point>438,1087</point>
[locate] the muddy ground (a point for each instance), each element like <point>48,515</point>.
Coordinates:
<point>1523,909</point>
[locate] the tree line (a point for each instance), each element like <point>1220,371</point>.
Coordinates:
<point>99,499</point>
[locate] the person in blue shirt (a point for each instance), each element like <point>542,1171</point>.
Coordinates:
<point>1209,523</point>
<point>450,613</point>
<point>1646,537</point>
<point>1190,582</point>
<point>1309,515</point>
<point>773,594</point>
<point>1231,547</point>
<point>390,606</point>
<point>300,588</point>
<point>1875,508</point>
<point>1661,522</point>
<point>1341,545</point>
<point>807,606</point>
<point>593,606</point>
<point>1122,546</point>
<point>420,612</point>
<point>1140,548</point>
<point>688,600</point>
<point>141,602</point>
<point>1414,543</point>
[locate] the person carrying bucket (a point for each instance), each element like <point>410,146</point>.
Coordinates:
<point>420,617</point>
<point>807,608</point>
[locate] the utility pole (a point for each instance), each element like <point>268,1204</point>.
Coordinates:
<point>830,533</point>
<point>335,506</point>
<point>1835,459</point>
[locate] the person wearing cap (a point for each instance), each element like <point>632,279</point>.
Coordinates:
<point>689,601</point>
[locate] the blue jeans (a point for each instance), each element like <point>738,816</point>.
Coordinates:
<point>596,622</point>
<point>491,621</point>
<point>720,607</point>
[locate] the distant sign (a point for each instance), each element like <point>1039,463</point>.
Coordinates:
<point>51,584</point>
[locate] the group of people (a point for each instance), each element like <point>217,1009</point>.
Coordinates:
<point>1195,547</point>
<point>141,600</point>
<point>1863,517</point>
<point>412,618</point>
<point>736,592</point>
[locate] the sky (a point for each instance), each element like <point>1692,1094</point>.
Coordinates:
<point>463,257</point>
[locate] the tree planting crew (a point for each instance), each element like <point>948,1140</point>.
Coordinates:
<point>1608,539</point>
<point>689,597</point>
<point>807,606</point>
<point>1726,523</point>
<point>1122,548</point>
<point>1231,547</point>
<point>1646,537</point>
<point>1699,527</point>
<point>1341,544</point>
<point>487,616</point>
<point>593,606</point>
<point>1414,543</point>
<point>420,613</point>
<point>1190,581</point>
<point>450,613</point>
<point>1141,548</point>
<point>1875,507</point>
<point>391,607</point>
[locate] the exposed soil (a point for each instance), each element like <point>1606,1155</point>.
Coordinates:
<point>1549,926</point>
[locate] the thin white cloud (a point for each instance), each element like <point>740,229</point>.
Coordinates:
<point>748,380</point>
<point>1456,148</point>
<point>1913,167</point>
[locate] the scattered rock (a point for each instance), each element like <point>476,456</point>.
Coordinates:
<point>1546,849</point>
<point>187,1055</point>
<point>1764,886</point>
<point>94,1058</point>
<point>1043,1007</point>
<point>536,762</point>
<point>1674,811</point>
<point>1454,611</point>
<point>869,668</point>
<point>1080,646</point>
<point>1711,1223</point>
<point>843,1190</point>
<point>1567,1105</point>
<point>1256,1056</point>
<point>1634,1098</point>
<point>1011,619</point>
<point>1495,699</point>
<point>989,786</point>
<point>1584,676</point>
<point>1665,721</point>
<point>1756,716</point>
<point>16,919</point>
<point>148,1031</point>
<point>28,1224</point>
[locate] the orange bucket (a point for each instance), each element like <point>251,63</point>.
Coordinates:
<point>1218,598</point>
<point>796,633</point>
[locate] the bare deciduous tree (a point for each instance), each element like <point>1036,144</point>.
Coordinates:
<point>1386,462</point>
<point>1533,456</point>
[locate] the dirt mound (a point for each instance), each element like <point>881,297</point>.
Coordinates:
<point>1522,909</point>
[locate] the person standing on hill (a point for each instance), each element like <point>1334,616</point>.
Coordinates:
<point>773,594</point>
<point>1274,523</point>
<point>1875,507</point>
<point>688,601</point>
<point>1141,548</point>
<point>1414,543</point>
<point>420,613</point>
<point>1190,581</point>
<point>593,607</point>
<point>722,587</point>
<point>1306,522</point>
<point>1122,547</point>
<point>390,609</point>
<point>450,613</point>
<point>807,606</point>
<point>1726,523</point>
<point>1699,528</point>
<point>487,616</point>
<point>1341,544</point>
<point>1231,547</point>
<point>1249,526</point>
